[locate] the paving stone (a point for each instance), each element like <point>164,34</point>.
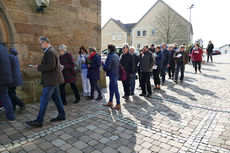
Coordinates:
<point>146,145</point>
<point>145,151</point>
<point>58,142</point>
<point>104,140</point>
<point>124,149</point>
<point>66,147</point>
<point>74,150</point>
<point>29,147</point>
<point>108,150</point>
<point>80,145</point>
<point>91,127</point>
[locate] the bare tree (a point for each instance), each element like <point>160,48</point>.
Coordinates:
<point>169,28</point>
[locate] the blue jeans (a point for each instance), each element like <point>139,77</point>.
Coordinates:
<point>180,68</point>
<point>113,89</point>
<point>133,79</point>
<point>6,102</point>
<point>47,93</point>
<point>163,72</point>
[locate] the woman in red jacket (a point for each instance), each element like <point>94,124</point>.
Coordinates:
<point>197,57</point>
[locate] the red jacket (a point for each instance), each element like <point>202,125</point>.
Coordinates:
<point>197,55</point>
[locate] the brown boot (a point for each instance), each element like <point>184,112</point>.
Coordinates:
<point>117,107</point>
<point>109,104</point>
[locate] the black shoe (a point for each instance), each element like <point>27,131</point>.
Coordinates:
<point>195,72</point>
<point>90,98</point>
<point>34,123</point>
<point>57,119</point>
<point>127,98</point>
<point>20,111</point>
<point>175,81</point>
<point>142,94</point>
<point>169,78</point>
<point>181,81</point>
<point>76,101</point>
<point>200,71</point>
<point>131,93</point>
<point>149,95</point>
<point>99,98</point>
<point>64,103</point>
<point>123,96</point>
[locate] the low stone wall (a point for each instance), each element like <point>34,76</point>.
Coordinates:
<point>31,90</point>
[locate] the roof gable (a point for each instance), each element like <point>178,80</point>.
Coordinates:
<point>161,1</point>
<point>126,27</point>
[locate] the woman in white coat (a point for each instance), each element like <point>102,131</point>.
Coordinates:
<point>82,65</point>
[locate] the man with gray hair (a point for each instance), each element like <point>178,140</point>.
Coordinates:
<point>51,78</point>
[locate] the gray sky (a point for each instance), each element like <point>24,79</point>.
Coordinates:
<point>210,18</point>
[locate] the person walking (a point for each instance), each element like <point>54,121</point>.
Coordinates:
<point>82,66</point>
<point>17,81</point>
<point>111,67</point>
<point>138,66</point>
<point>210,51</point>
<point>181,59</point>
<point>171,68</point>
<point>127,61</point>
<point>67,61</point>
<point>165,53</point>
<point>152,48</point>
<point>94,64</point>
<point>146,66</point>
<point>197,57</point>
<point>52,77</point>
<point>157,67</point>
<point>136,61</point>
<point>6,79</point>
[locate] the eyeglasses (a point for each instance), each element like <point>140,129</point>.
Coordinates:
<point>124,47</point>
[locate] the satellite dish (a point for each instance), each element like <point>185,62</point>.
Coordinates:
<point>42,3</point>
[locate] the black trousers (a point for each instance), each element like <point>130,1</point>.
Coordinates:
<point>127,85</point>
<point>63,93</point>
<point>156,76</point>
<point>139,75</point>
<point>14,99</point>
<point>94,84</point>
<point>199,65</point>
<point>209,55</point>
<point>171,71</point>
<point>146,82</point>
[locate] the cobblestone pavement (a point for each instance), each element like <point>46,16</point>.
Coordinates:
<point>189,117</point>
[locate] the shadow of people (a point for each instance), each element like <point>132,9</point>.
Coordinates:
<point>213,76</point>
<point>212,70</point>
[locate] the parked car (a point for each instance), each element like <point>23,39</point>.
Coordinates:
<point>105,53</point>
<point>216,52</point>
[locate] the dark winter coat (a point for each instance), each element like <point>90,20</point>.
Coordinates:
<point>171,59</point>
<point>5,67</point>
<point>166,57</point>
<point>197,55</point>
<point>136,61</point>
<point>50,68</point>
<point>146,62</point>
<point>127,61</point>
<point>94,69</point>
<point>15,67</point>
<point>210,48</point>
<point>159,59</point>
<point>152,50</point>
<point>183,59</point>
<point>112,64</point>
<point>68,72</point>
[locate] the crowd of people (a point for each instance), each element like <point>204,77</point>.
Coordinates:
<point>58,68</point>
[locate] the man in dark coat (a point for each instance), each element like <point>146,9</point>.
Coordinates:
<point>147,61</point>
<point>5,80</point>
<point>210,51</point>
<point>171,68</point>
<point>152,48</point>
<point>52,77</point>
<point>94,64</point>
<point>17,80</point>
<point>127,61</point>
<point>165,62</point>
<point>136,61</point>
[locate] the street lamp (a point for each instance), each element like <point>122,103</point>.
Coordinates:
<point>190,22</point>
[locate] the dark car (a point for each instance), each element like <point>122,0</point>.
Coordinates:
<point>216,52</point>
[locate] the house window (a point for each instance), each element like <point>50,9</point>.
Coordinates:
<point>144,33</point>
<point>138,33</point>
<point>119,37</point>
<point>138,46</point>
<point>153,32</point>
<point>113,37</point>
